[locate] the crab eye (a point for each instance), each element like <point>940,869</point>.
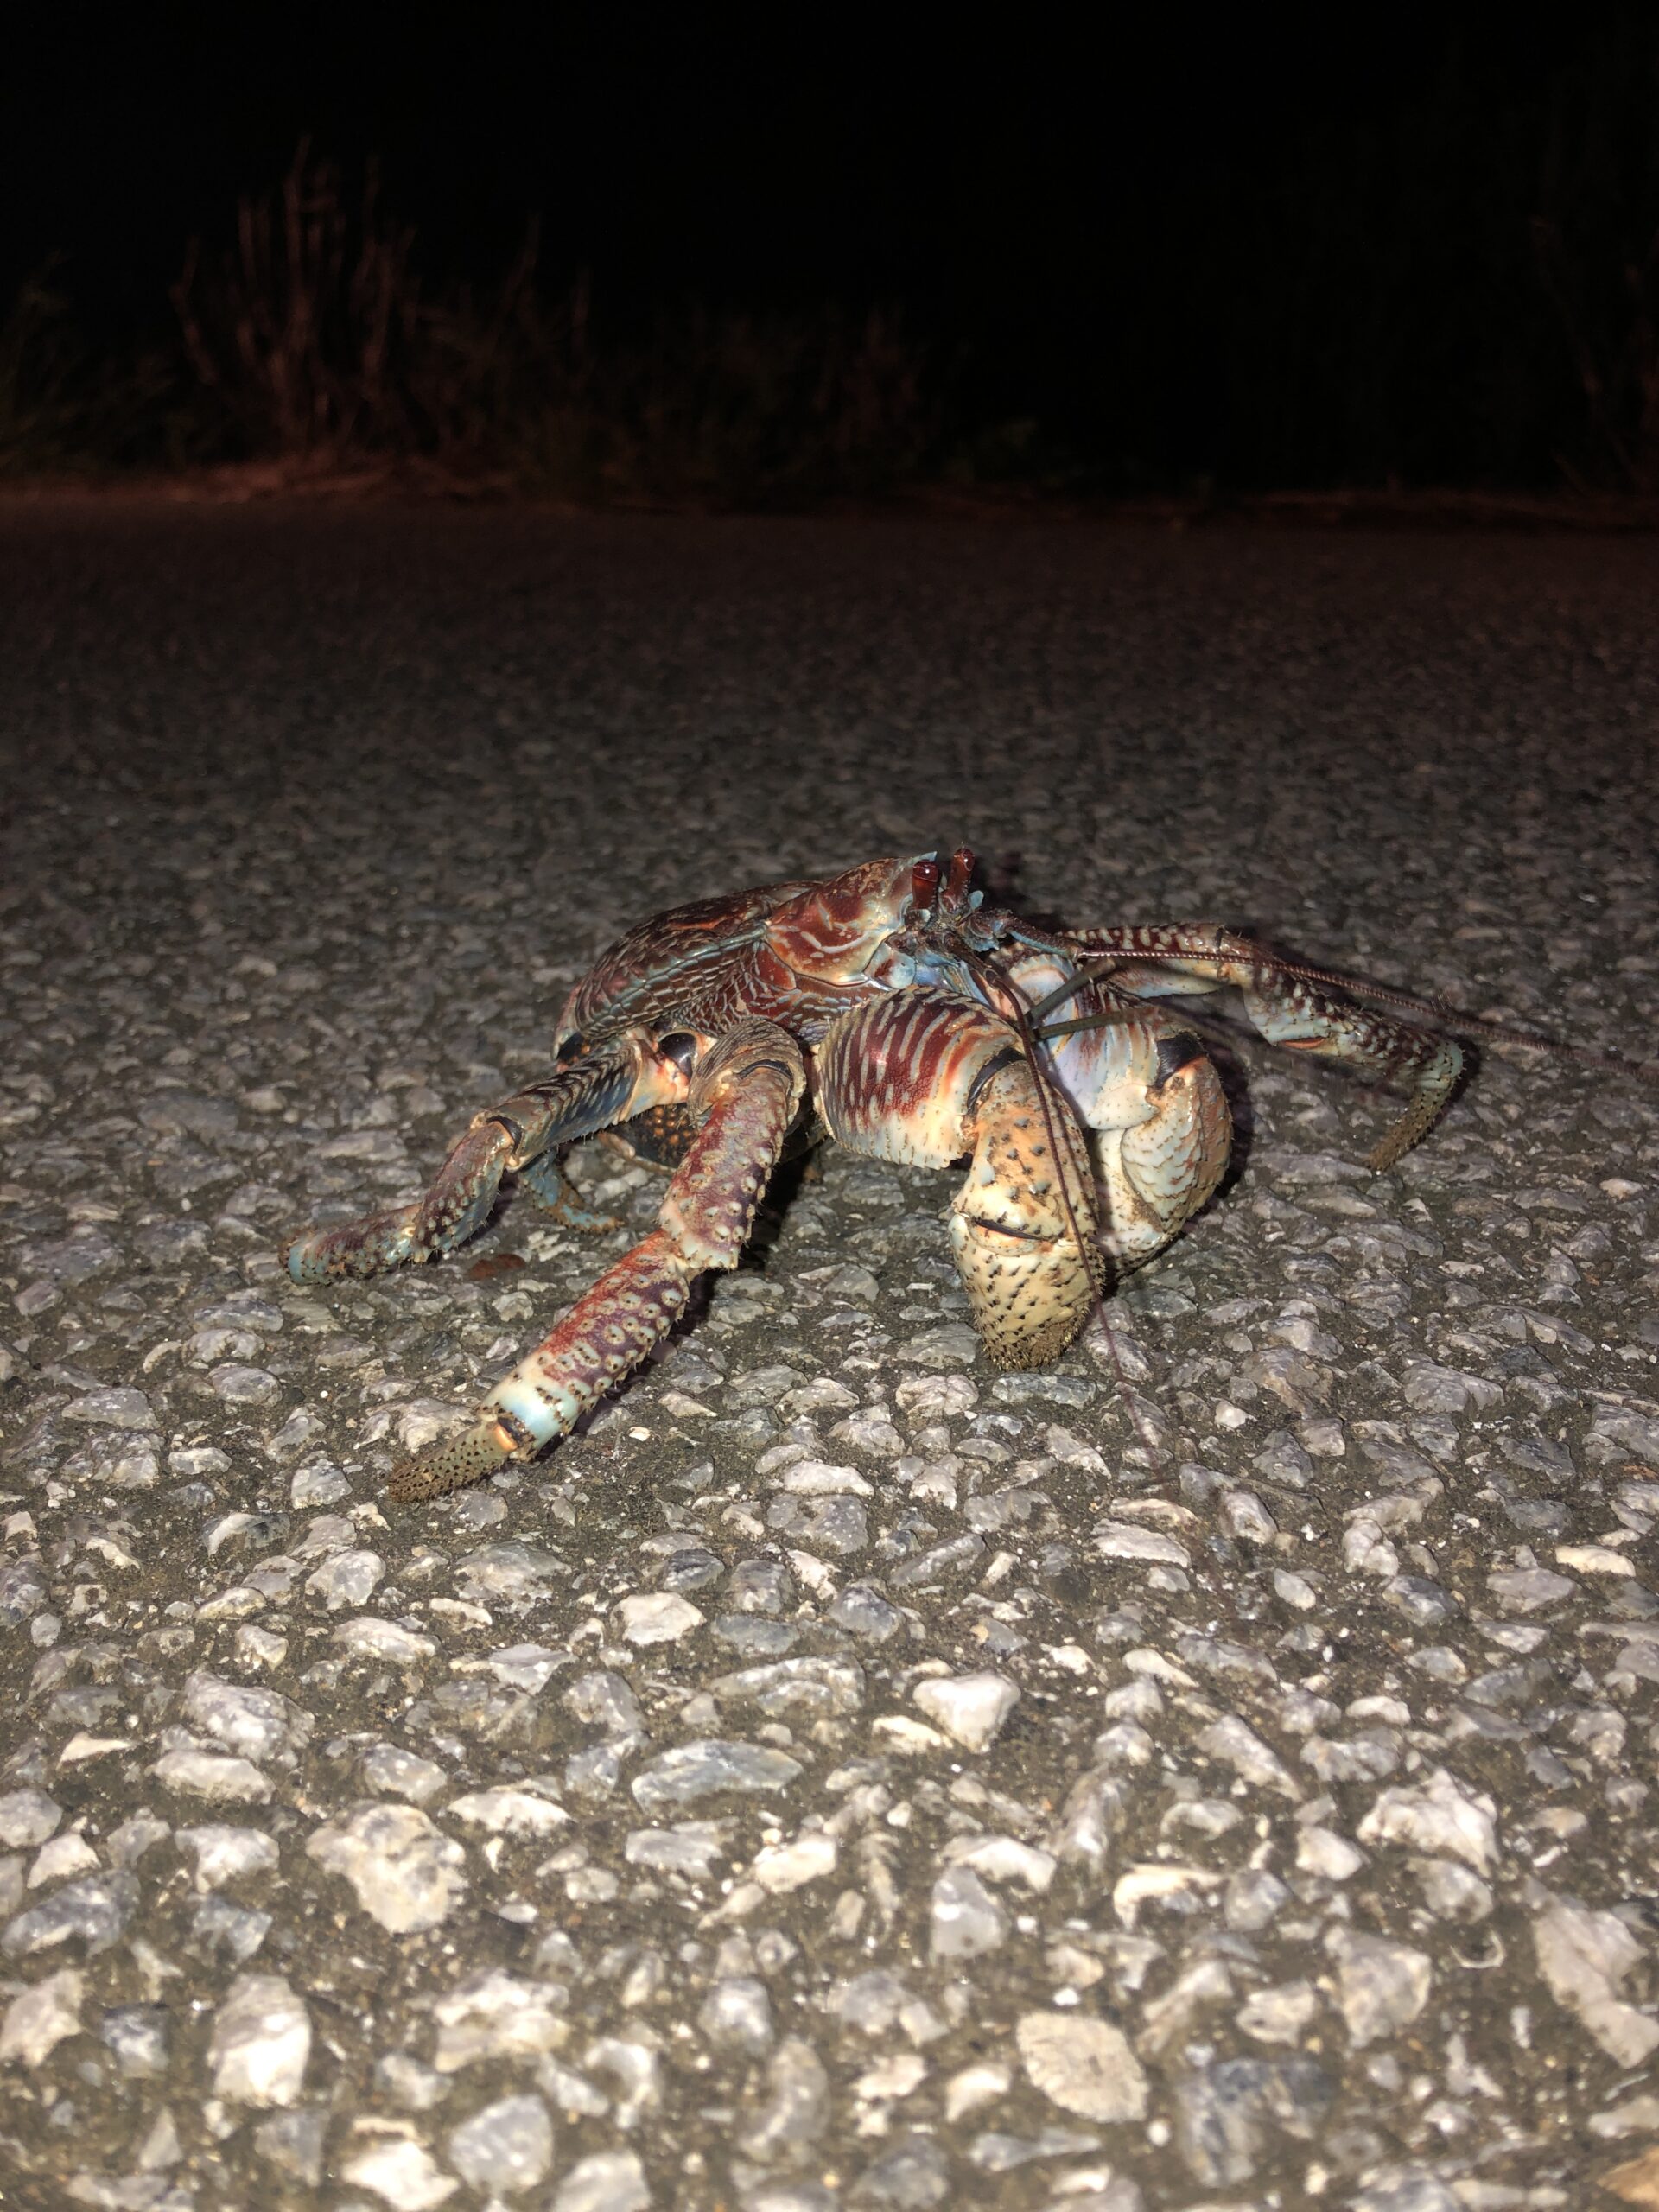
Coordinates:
<point>925,884</point>
<point>681,1048</point>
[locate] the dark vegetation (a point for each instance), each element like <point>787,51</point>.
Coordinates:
<point>1456,284</point>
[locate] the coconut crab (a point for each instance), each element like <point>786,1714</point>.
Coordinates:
<point>890,1009</point>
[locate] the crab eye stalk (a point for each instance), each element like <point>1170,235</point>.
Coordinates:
<point>925,884</point>
<point>960,875</point>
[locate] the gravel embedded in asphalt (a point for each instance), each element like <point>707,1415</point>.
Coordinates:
<point>1216,1770</point>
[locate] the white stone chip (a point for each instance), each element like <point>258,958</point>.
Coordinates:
<point>318,1483</point>
<point>1152,1666</point>
<point>258,1647</point>
<point>394,1772</point>
<point>736,2016</point>
<point>221,1781</point>
<point>406,1875</point>
<point>1003,1859</point>
<point>971,1709</point>
<point>115,1408</point>
<point>900,2074</point>
<point>512,1569</point>
<point>707,1768</point>
<point>1071,1450</point>
<point>27,1817</point>
<point>244,1386</point>
<point>966,1920</point>
<point>1450,1891</point>
<point>507,1811</point>
<point>520,1666</point>
<point>1233,1743</point>
<point>911,1739</point>
<point>329,1533</point>
<point>161,2148</point>
<point>951,1344</point>
<point>1145,1884</point>
<point>1321,1851</point>
<point>507,2146</point>
<point>41,2018</point>
<point>794,2107</point>
<point>1282,2014</point>
<point>347,1579</point>
<point>232,1605</point>
<point>222,1853</point>
<point>1528,1589</point>
<point>1593,1559</point>
<point>818,1478</point>
<point>784,1866</point>
<point>404,2173</point>
<point>1583,1956</point>
<point>1381,1987</point>
<point>261,2039</point>
<point>575,2095</point>
<point>66,1854</point>
<point>127,1844</point>
<point>974,2087</point>
<point>219,1532</point>
<point>254,1722</point>
<point>1244,1515</point>
<point>1439,1817</point>
<point>813,1574</point>
<point>1366,1550</point>
<point>82,1746</point>
<point>612,2181</point>
<point>1082,2064</point>
<point>493,2014</point>
<point>661,1618</point>
<point>1122,1540</point>
<point>1172,2018</point>
<point>1636,2115</point>
<point>690,1848</point>
<point>370,1637</point>
<point>634,2068</point>
<point>421,1421</point>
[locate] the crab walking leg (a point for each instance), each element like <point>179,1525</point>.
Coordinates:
<point>743,1095</point>
<point>573,1102</point>
<point>923,1076</point>
<point>1188,958</point>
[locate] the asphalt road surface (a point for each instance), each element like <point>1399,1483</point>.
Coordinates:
<point>843,1776</point>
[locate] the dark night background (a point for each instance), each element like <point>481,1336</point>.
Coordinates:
<point>1268,248</point>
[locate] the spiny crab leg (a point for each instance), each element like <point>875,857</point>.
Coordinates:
<point>588,1094</point>
<point>1286,1007</point>
<point>745,1093</point>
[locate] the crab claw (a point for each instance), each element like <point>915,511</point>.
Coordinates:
<point>455,1462</point>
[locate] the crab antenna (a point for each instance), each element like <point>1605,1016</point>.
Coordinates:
<point>1090,973</point>
<point>1050,1030</point>
<point>925,884</point>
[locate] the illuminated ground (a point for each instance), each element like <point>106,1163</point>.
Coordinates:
<point>351,1856</point>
